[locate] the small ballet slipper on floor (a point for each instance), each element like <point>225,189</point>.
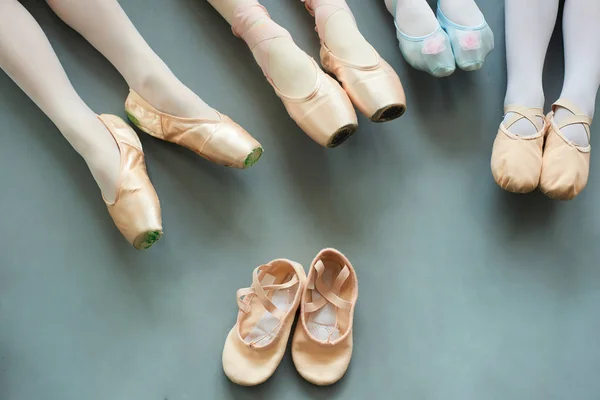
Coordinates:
<point>566,165</point>
<point>255,345</point>
<point>517,160</point>
<point>323,340</point>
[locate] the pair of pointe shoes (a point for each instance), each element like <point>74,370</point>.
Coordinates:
<point>327,114</point>
<point>547,159</point>
<point>136,209</point>
<point>322,342</point>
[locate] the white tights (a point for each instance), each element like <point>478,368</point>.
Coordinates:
<point>529,25</point>
<point>24,48</point>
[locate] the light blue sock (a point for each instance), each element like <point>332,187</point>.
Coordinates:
<point>471,44</point>
<point>431,53</point>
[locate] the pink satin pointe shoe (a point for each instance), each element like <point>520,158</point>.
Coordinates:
<point>517,160</point>
<point>136,209</point>
<point>375,89</point>
<point>221,141</point>
<point>326,114</point>
<point>566,165</point>
<point>255,345</point>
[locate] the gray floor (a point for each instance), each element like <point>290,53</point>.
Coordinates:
<point>466,292</point>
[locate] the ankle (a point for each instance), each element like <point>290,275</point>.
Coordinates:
<point>462,12</point>
<point>292,71</point>
<point>526,95</point>
<point>584,101</point>
<point>343,38</point>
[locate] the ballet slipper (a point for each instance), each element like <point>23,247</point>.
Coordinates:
<point>375,89</point>
<point>326,114</point>
<point>517,160</point>
<point>322,343</point>
<point>566,165</point>
<point>255,345</point>
<point>136,209</point>
<point>221,141</point>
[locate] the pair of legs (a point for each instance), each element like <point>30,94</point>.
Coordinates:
<point>290,68</point>
<point>27,57</point>
<point>529,26</point>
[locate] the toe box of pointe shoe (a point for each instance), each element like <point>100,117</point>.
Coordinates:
<point>223,142</point>
<point>325,112</point>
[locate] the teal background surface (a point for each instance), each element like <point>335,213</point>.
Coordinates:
<point>466,292</point>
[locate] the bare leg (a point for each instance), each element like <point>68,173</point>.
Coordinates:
<point>290,68</point>
<point>105,25</point>
<point>529,26</point>
<point>582,63</point>
<point>23,49</point>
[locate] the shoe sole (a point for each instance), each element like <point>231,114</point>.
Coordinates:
<point>341,135</point>
<point>147,239</point>
<point>388,113</point>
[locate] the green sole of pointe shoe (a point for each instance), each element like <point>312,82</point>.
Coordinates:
<point>147,239</point>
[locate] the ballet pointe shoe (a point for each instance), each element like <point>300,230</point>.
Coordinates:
<point>221,141</point>
<point>374,89</point>
<point>136,209</point>
<point>326,115</point>
<point>255,345</point>
<point>566,165</point>
<point>323,340</point>
<point>517,160</point>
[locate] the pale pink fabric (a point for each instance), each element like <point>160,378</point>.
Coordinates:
<point>252,22</point>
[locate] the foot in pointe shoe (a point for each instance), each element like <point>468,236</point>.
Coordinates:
<point>371,83</point>
<point>221,141</point>
<point>136,209</point>
<point>326,113</point>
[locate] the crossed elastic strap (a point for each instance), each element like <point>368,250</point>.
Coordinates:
<point>322,10</point>
<point>244,296</point>
<point>530,114</point>
<point>254,25</point>
<point>328,294</point>
<point>577,118</point>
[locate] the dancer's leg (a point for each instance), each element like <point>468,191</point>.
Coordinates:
<point>290,68</point>
<point>27,57</point>
<point>341,34</point>
<point>529,26</point>
<point>105,25</point>
<point>463,12</point>
<point>581,31</point>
